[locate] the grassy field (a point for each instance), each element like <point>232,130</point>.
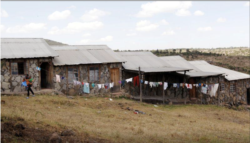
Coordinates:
<point>104,120</point>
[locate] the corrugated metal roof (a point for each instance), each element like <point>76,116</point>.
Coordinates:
<point>147,61</point>
<point>230,74</point>
<point>85,54</point>
<point>178,61</point>
<point>12,48</point>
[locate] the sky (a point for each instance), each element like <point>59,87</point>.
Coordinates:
<point>130,25</point>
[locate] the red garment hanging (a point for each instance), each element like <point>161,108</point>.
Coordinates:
<point>136,80</point>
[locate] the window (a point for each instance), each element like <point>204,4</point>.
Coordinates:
<point>93,74</point>
<point>18,68</point>
<point>222,87</point>
<point>232,87</point>
<point>72,74</point>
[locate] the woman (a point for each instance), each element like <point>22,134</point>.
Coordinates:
<point>29,84</point>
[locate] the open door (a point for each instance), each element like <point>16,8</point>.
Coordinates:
<point>192,92</point>
<point>45,75</point>
<point>115,77</point>
<point>248,96</point>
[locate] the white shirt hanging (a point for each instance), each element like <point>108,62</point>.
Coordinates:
<point>129,80</point>
<point>58,78</point>
<point>165,85</point>
<point>99,86</point>
<point>174,84</point>
<point>151,84</point>
<point>111,84</point>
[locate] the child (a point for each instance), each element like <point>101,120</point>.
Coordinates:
<point>29,84</point>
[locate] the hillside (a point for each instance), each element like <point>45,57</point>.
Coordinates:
<point>232,58</point>
<point>53,43</point>
<point>98,119</point>
<point>232,51</point>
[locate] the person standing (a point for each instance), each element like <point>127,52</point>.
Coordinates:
<point>29,85</point>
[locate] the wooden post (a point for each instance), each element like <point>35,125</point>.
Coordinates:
<point>140,85</point>
<point>184,81</point>
<point>163,91</point>
<point>218,92</point>
<point>236,92</point>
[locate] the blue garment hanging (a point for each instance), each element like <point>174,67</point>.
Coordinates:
<point>86,88</point>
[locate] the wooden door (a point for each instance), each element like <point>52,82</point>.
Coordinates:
<point>192,91</point>
<point>115,77</point>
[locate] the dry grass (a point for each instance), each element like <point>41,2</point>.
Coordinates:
<point>105,119</point>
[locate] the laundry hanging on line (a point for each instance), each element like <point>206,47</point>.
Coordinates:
<point>189,86</point>
<point>213,90</point>
<point>86,88</point>
<point>165,85</point>
<point>204,90</point>
<point>77,82</point>
<point>136,81</point>
<point>129,80</point>
<point>58,78</point>
<point>99,86</point>
<point>111,85</point>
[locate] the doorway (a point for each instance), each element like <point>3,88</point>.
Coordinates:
<point>115,77</point>
<point>192,92</point>
<point>45,75</point>
<point>248,96</point>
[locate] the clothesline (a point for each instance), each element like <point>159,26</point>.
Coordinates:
<point>136,81</point>
<point>86,85</point>
<point>212,88</point>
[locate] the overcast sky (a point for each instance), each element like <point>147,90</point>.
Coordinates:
<point>130,25</point>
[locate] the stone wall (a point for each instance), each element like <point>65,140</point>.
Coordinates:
<point>12,83</point>
<point>68,87</point>
<point>223,93</point>
<point>5,76</point>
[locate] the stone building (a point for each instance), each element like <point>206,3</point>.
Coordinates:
<point>194,76</point>
<point>96,64</point>
<point>234,86</point>
<point>152,69</point>
<point>21,56</point>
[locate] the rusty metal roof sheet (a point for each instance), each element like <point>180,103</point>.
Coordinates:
<point>13,48</point>
<point>85,54</point>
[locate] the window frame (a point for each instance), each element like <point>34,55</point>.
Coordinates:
<point>78,77</point>
<point>233,85</point>
<point>222,88</point>
<point>25,67</point>
<point>94,66</point>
